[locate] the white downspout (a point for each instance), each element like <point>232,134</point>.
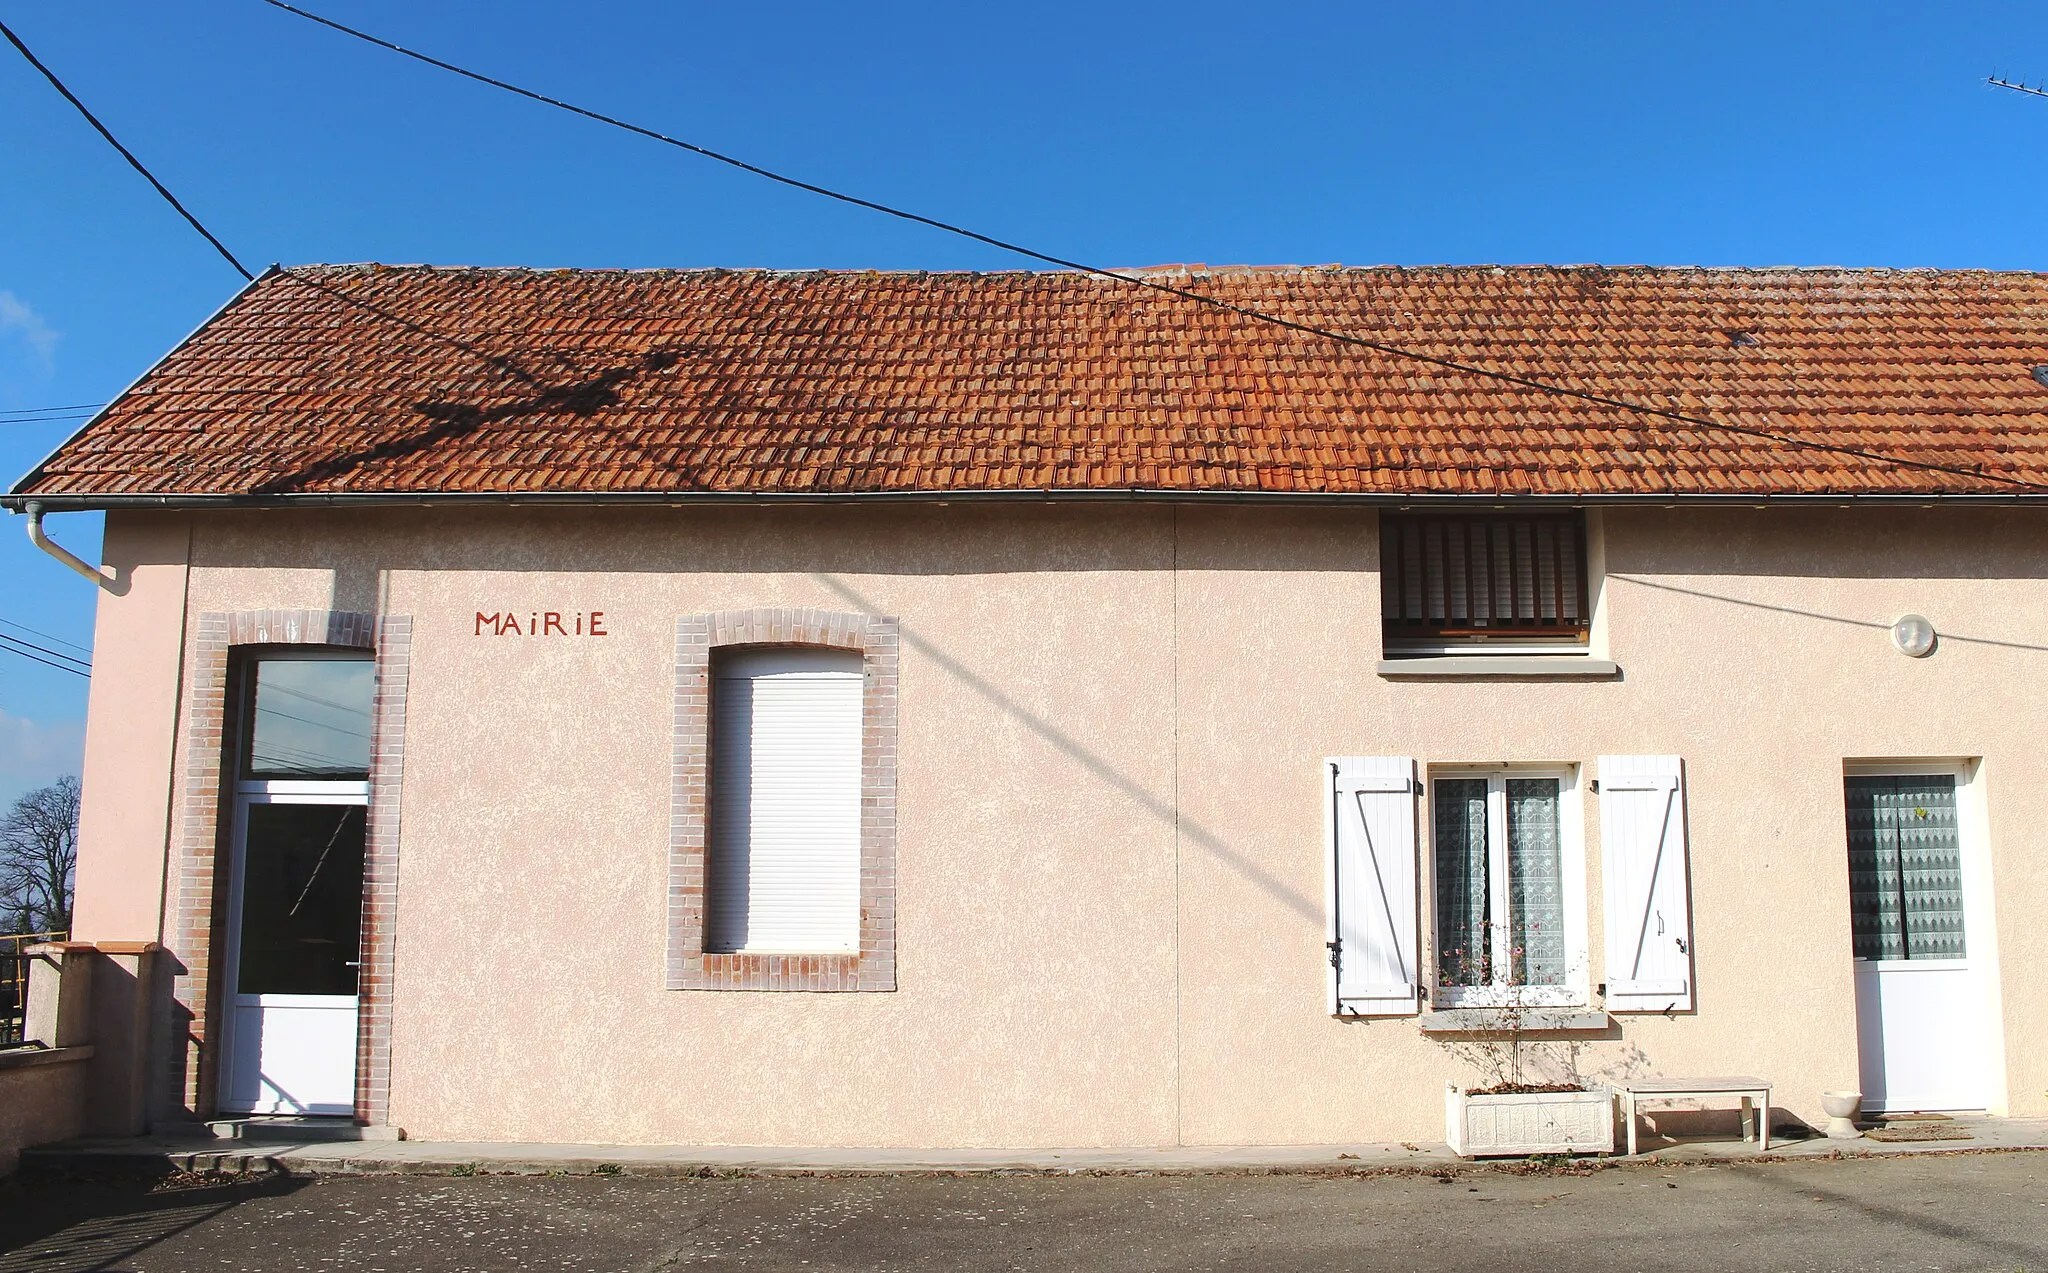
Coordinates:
<point>61,553</point>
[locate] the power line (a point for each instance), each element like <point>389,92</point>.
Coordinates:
<point>2017,88</point>
<point>8,645</point>
<point>9,623</point>
<point>1154,285</point>
<point>27,411</point>
<point>126,154</point>
<point>50,419</point>
<point>47,651</point>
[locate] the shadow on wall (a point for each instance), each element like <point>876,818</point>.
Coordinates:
<point>1160,807</point>
<point>1795,612</point>
<point>1876,542</point>
<point>916,539</point>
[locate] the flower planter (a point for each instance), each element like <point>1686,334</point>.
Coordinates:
<point>1514,1124</point>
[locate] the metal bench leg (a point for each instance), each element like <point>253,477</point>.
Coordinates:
<point>1764,1142</point>
<point>1628,1105</point>
<point>1748,1119</point>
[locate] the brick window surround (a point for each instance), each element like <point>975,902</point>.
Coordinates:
<point>690,966</point>
<point>201,895</point>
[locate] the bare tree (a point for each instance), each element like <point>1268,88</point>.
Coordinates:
<point>38,855</point>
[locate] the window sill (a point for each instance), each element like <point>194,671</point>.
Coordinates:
<point>1545,667</point>
<point>1534,1020</point>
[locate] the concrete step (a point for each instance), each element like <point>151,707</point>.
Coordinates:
<point>271,1129</point>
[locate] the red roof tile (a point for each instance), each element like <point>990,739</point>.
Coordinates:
<point>373,380</point>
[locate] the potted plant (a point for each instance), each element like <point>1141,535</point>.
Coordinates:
<point>1530,1098</point>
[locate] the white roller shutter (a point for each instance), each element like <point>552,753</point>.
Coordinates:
<point>785,802</point>
<point>1369,816</point>
<point>1649,907</point>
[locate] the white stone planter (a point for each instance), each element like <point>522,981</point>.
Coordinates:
<point>1522,1123</point>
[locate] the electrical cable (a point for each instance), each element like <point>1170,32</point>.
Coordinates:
<point>61,667</point>
<point>47,651</point>
<point>1243,311</point>
<point>9,623</point>
<point>28,411</point>
<point>126,154</point>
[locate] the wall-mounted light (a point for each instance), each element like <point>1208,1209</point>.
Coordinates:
<point>1914,636</point>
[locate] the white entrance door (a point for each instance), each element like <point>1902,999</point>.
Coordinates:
<point>1922,1020</point>
<point>295,918</point>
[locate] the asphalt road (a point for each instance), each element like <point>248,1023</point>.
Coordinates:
<point>1974,1212</point>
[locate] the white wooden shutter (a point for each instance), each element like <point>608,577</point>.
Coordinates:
<point>1649,906</point>
<point>785,802</point>
<point>1369,817</point>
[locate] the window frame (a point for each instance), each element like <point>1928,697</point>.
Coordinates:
<point>244,672</point>
<point>1571,834</point>
<point>688,966</point>
<point>1972,855</point>
<point>1420,642</point>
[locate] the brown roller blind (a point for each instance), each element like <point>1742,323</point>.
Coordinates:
<point>1484,576</point>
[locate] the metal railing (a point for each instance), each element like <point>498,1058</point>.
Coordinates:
<point>14,982</point>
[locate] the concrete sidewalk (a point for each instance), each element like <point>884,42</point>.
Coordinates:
<point>256,1153</point>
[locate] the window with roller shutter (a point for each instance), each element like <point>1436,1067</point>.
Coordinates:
<point>1484,583</point>
<point>783,874</point>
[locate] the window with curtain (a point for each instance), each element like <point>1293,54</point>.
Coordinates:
<point>1483,582</point>
<point>1905,867</point>
<point>1506,911</point>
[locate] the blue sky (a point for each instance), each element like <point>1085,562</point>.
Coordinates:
<point>1124,134</point>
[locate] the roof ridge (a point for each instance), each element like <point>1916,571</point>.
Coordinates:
<point>1196,270</point>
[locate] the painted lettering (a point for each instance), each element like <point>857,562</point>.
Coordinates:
<point>540,623</point>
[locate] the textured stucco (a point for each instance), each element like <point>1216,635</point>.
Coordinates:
<point>131,731</point>
<point>1110,898</point>
<point>39,1104</point>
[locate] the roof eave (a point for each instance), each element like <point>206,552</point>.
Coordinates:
<point>18,501</point>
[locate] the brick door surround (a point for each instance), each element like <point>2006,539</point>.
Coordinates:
<point>690,966</point>
<point>199,903</point>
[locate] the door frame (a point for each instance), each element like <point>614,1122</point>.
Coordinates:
<point>1979,919</point>
<point>271,791</point>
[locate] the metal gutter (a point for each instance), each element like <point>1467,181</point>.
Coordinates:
<point>1150,495</point>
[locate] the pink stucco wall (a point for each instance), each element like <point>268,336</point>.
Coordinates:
<point>1110,924</point>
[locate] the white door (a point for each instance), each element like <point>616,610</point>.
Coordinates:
<point>294,929</point>
<point>1921,1011</point>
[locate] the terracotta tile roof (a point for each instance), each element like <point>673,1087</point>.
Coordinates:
<point>372,380</point>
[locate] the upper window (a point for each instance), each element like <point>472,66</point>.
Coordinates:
<point>784,868</point>
<point>1905,867</point>
<point>1509,881</point>
<point>308,717</point>
<point>1484,582</point>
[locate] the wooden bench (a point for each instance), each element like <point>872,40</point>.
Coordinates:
<point>1753,1091</point>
